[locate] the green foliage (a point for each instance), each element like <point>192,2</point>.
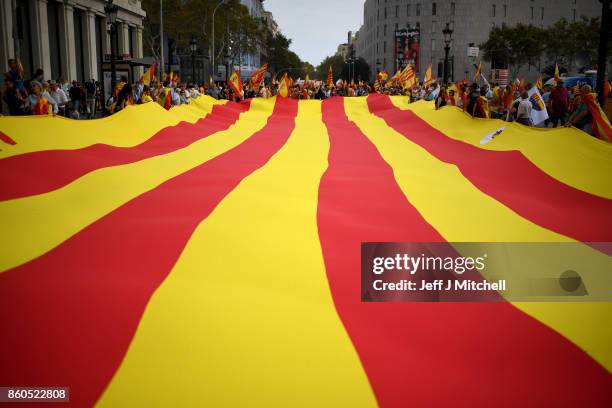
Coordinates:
<point>562,42</point>
<point>184,19</point>
<point>337,64</point>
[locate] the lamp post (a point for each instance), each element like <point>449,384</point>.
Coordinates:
<point>212,54</point>
<point>227,66</point>
<point>111,18</point>
<point>602,54</point>
<point>193,45</point>
<point>447,33</point>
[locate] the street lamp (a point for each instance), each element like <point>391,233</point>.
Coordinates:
<point>111,19</point>
<point>228,60</point>
<point>193,45</point>
<point>602,53</point>
<point>447,33</point>
<point>213,36</point>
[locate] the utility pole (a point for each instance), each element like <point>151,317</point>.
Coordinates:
<point>161,40</point>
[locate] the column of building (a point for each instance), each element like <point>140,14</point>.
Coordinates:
<point>40,37</point>
<point>67,41</point>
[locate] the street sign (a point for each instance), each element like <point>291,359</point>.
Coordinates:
<point>473,52</point>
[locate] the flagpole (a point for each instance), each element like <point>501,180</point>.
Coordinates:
<point>212,56</point>
<point>161,39</point>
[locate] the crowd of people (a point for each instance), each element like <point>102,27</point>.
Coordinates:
<point>38,96</point>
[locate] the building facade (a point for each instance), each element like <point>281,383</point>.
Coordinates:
<point>250,60</point>
<point>470,20</point>
<point>67,38</point>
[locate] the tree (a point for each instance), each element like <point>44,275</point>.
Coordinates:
<point>513,47</point>
<point>337,64</point>
<point>184,19</point>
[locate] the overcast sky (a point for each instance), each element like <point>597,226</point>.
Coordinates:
<point>316,27</point>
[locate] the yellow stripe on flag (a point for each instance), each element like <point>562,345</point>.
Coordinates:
<point>568,145</point>
<point>254,309</point>
<point>40,223</point>
<point>129,127</point>
<point>462,213</point>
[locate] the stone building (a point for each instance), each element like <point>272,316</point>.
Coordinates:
<point>470,20</point>
<point>67,38</point>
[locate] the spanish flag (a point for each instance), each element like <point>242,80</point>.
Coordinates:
<point>258,77</point>
<point>149,75</point>
<point>557,76</point>
<point>428,76</point>
<point>235,83</point>
<point>330,77</point>
<point>284,86</point>
<point>478,71</point>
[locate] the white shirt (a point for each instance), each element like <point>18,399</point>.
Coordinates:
<point>60,96</point>
<point>524,109</point>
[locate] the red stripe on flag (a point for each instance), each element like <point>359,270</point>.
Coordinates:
<point>432,354</point>
<point>68,317</point>
<point>509,177</point>
<point>7,139</point>
<point>44,171</point>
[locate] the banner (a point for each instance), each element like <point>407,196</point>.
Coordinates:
<point>407,48</point>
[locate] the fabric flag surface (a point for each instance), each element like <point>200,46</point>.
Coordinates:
<point>284,86</point>
<point>149,75</point>
<point>209,255</point>
<point>538,108</point>
<point>258,76</point>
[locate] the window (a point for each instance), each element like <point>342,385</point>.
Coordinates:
<point>433,45</point>
<point>434,8</point>
<point>531,12</point>
<point>433,26</point>
<point>452,9</point>
<point>505,10</point>
<point>385,30</point>
<point>493,11</point>
<point>574,14</point>
<point>407,10</point>
<point>385,13</point>
<point>418,9</point>
<point>542,10</point>
<point>396,26</point>
<point>384,46</point>
<point>396,11</point>
<point>377,14</point>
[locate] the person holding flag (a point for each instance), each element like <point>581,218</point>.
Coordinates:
<point>589,112</point>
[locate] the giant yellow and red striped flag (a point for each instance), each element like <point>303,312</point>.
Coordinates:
<point>258,76</point>
<point>209,255</point>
